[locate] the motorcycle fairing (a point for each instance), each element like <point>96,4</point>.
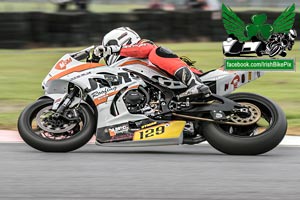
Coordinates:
<point>108,85</point>
<point>225,82</point>
<point>163,132</point>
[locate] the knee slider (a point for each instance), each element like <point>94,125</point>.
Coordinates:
<point>165,53</point>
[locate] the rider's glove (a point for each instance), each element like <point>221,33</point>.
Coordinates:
<point>105,51</point>
<point>93,59</point>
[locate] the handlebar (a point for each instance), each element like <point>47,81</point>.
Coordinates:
<point>82,54</point>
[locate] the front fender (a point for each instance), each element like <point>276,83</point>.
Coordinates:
<point>58,86</point>
<point>57,90</point>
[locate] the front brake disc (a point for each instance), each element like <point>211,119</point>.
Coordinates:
<point>47,123</point>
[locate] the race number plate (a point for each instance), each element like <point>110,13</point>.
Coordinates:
<point>167,130</point>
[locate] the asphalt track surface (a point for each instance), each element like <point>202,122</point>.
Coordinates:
<point>169,172</point>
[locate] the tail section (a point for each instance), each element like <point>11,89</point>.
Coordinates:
<point>225,82</point>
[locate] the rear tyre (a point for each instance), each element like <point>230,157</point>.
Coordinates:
<point>255,139</point>
<point>71,135</point>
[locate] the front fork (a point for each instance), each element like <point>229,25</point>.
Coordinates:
<point>63,103</point>
<point>68,100</point>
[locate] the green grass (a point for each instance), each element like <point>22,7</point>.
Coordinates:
<point>22,72</point>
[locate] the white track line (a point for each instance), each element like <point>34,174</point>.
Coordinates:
<point>291,141</point>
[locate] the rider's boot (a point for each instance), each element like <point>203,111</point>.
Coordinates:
<point>195,87</point>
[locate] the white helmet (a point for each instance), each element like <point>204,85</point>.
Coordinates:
<point>119,36</point>
<point>292,34</point>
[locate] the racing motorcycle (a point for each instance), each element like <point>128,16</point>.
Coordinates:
<point>134,103</point>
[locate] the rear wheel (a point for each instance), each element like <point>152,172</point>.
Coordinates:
<point>253,139</point>
<point>42,130</point>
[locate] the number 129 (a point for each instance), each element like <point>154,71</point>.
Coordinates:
<point>152,132</point>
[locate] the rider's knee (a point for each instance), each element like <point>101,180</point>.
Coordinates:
<point>165,53</point>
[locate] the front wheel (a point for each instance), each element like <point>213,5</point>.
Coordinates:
<point>40,129</point>
<point>254,139</point>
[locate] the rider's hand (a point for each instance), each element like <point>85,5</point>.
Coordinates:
<point>98,51</point>
<point>93,58</point>
<point>105,51</point>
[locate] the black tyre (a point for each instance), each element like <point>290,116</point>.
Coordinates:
<point>39,130</point>
<point>254,139</point>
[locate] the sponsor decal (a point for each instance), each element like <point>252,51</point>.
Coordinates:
<point>119,129</point>
<point>226,86</point>
<point>103,92</point>
<point>243,78</point>
<point>134,45</point>
<point>148,125</point>
<point>249,76</point>
<point>57,100</point>
<point>117,133</point>
<point>235,81</point>
<point>258,74</point>
<point>121,137</point>
<point>80,75</point>
<point>62,64</point>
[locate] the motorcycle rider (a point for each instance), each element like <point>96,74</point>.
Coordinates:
<point>124,42</point>
<point>279,42</point>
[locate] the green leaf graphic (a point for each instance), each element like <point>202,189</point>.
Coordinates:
<point>259,28</point>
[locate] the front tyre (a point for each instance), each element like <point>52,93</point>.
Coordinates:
<point>254,139</point>
<point>41,131</point>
